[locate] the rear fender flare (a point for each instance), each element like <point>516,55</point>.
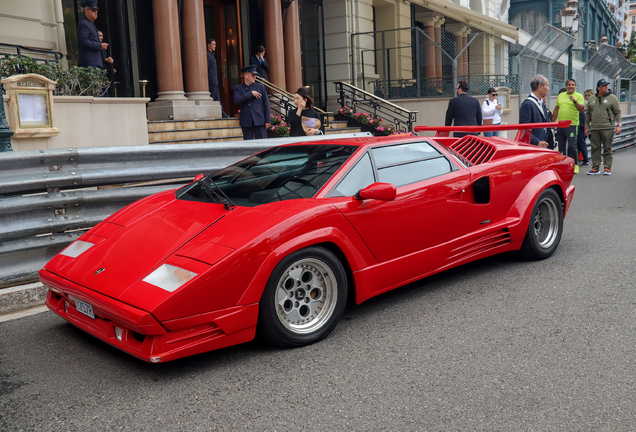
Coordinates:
<point>522,208</point>
<point>355,260</point>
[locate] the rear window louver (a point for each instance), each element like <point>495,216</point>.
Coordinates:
<point>475,149</point>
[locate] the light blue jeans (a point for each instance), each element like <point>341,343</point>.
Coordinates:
<point>494,133</point>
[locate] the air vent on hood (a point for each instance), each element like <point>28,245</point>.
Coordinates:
<point>475,149</point>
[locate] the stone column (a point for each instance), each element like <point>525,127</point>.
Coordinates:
<point>61,35</point>
<point>438,41</point>
<point>171,103</point>
<point>291,32</point>
<point>196,59</point>
<point>168,50</point>
<point>274,42</point>
<point>433,66</point>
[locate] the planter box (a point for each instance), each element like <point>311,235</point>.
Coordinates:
<point>87,121</point>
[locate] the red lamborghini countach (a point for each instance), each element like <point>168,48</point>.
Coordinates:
<point>275,243</point>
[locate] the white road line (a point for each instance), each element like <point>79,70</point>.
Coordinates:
<point>23,313</point>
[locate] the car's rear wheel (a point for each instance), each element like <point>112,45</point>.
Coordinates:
<point>545,228</point>
<point>304,298</point>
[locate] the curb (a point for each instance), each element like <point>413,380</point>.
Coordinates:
<point>21,297</point>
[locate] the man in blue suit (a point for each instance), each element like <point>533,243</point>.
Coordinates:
<point>90,48</point>
<point>255,110</point>
<point>464,110</point>
<point>213,79</point>
<point>533,110</point>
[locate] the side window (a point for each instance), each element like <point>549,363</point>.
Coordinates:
<point>414,171</point>
<point>360,176</point>
<point>409,163</point>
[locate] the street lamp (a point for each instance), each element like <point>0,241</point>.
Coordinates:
<point>570,24</point>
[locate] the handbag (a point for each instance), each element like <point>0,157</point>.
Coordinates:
<point>487,122</point>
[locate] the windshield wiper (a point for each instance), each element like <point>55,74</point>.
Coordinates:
<point>212,193</point>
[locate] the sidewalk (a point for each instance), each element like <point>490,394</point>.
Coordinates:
<point>21,297</point>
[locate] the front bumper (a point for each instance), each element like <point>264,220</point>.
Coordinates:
<point>138,333</point>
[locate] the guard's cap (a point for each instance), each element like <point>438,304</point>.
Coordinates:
<point>249,69</point>
<point>90,4</point>
<point>601,82</point>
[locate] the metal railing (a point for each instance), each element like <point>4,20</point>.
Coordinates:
<point>353,97</point>
<point>627,138</point>
<point>49,198</point>
<point>35,54</point>
<point>281,102</point>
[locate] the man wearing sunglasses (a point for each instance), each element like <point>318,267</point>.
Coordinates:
<point>90,47</point>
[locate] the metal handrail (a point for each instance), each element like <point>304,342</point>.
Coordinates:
<point>285,102</point>
<point>355,97</point>
<point>19,48</point>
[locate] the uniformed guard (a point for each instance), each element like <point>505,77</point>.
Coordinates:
<point>255,110</point>
<point>90,47</point>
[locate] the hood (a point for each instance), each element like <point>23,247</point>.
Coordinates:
<point>130,253</point>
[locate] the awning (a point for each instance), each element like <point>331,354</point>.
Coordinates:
<point>470,17</point>
<point>608,61</point>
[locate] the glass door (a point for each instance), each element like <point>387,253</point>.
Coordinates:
<point>313,51</point>
<point>222,22</point>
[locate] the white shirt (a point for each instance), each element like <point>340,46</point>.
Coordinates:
<point>489,111</point>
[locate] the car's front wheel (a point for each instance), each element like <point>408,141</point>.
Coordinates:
<point>304,298</point>
<point>545,228</point>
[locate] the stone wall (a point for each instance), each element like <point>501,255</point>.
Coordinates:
<point>86,121</point>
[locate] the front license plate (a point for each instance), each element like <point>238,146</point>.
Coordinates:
<point>84,308</point>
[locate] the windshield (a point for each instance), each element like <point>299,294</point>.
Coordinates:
<point>277,174</point>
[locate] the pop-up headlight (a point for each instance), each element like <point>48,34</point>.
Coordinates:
<point>76,248</point>
<point>169,277</point>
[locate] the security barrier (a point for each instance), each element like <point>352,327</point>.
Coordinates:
<point>49,198</point>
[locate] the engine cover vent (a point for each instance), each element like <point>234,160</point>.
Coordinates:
<point>475,149</point>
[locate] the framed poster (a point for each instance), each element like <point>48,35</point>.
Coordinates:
<point>31,110</point>
<point>34,108</point>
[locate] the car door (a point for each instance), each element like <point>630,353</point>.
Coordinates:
<point>427,205</point>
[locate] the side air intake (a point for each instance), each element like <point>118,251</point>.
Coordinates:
<point>474,149</point>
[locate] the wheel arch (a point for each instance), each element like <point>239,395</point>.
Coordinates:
<point>522,208</point>
<point>331,239</point>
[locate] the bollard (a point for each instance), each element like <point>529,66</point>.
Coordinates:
<point>5,132</point>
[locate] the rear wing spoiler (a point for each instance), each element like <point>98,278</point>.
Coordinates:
<point>523,136</point>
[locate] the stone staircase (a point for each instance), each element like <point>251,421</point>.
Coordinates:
<point>213,130</point>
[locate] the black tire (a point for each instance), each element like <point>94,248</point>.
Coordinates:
<point>545,228</point>
<point>304,298</point>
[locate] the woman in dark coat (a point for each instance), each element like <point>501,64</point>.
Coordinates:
<point>303,120</point>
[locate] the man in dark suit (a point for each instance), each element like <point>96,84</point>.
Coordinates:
<point>213,77</point>
<point>464,110</point>
<point>259,61</point>
<point>255,110</point>
<point>533,110</point>
<point>90,48</point>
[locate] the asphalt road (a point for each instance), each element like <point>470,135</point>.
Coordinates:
<point>498,345</point>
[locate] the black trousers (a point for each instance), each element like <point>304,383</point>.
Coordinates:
<point>566,137</point>
<point>254,132</point>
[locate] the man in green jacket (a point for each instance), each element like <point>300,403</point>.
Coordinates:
<point>602,112</point>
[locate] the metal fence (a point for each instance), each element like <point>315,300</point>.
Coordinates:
<point>49,198</point>
<point>429,61</point>
<point>416,62</point>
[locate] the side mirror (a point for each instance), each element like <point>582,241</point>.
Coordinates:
<point>377,191</point>
<point>199,177</point>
